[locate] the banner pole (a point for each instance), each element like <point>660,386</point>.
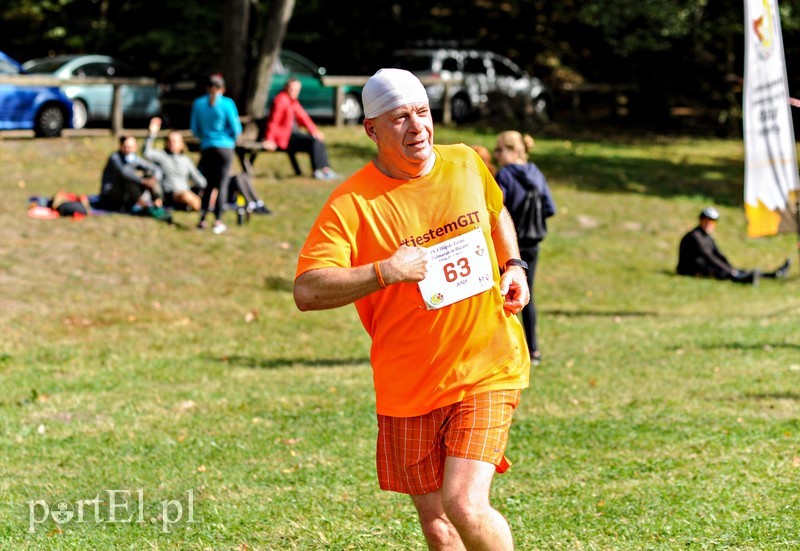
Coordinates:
<point>793,102</point>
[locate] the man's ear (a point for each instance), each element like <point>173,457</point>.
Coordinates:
<point>369,128</point>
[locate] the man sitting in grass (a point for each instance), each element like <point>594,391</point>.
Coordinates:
<point>129,182</point>
<point>699,256</point>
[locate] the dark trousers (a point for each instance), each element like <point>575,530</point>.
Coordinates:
<point>215,164</point>
<point>531,256</point>
<point>124,194</point>
<point>306,143</point>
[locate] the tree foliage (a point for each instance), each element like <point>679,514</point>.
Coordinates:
<point>677,51</point>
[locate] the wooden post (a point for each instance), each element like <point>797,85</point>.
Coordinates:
<point>116,111</point>
<point>447,105</point>
<point>337,105</point>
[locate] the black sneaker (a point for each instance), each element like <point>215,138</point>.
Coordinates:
<point>783,271</point>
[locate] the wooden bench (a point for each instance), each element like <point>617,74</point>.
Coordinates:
<point>249,146</point>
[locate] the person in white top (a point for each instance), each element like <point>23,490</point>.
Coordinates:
<point>177,167</point>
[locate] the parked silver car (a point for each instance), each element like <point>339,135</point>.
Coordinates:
<point>92,102</point>
<point>480,74</point>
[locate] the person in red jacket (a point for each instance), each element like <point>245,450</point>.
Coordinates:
<point>283,130</point>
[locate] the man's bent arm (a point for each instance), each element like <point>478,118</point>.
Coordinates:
<point>514,281</point>
<point>504,237</point>
<point>327,288</point>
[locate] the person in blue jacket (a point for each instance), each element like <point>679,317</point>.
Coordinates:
<point>516,175</point>
<point>215,122</point>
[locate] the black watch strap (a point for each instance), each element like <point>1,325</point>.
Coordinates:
<point>516,262</point>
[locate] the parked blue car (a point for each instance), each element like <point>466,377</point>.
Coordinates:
<point>92,102</point>
<point>43,109</point>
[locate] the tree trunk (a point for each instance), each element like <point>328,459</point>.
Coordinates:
<point>277,21</point>
<point>235,25</point>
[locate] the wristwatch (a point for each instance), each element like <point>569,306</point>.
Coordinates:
<point>516,262</point>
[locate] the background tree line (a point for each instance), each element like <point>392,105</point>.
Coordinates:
<point>685,53</point>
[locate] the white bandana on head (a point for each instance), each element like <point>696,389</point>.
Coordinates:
<point>391,88</point>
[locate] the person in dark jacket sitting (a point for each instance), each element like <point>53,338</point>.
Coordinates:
<point>129,181</point>
<point>699,256</point>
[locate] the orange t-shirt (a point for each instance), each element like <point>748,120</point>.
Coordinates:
<point>423,359</point>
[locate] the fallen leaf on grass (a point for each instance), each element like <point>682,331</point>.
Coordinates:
<point>251,316</point>
<point>186,405</point>
<point>796,462</point>
<point>201,469</point>
<point>76,321</point>
<point>291,441</point>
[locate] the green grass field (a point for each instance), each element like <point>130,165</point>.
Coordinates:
<point>171,364</point>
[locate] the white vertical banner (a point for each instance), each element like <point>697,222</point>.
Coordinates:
<point>770,170</point>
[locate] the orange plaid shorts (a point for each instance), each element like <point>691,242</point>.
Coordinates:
<point>412,450</point>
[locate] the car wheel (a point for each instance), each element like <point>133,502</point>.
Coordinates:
<point>352,112</point>
<point>49,121</point>
<point>461,108</point>
<point>80,115</point>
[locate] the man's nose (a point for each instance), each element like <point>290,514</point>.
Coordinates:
<point>416,122</point>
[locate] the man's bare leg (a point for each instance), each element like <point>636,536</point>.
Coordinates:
<point>459,515</point>
<point>465,501</point>
<point>439,532</point>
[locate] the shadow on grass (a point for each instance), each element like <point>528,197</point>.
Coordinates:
<point>648,176</point>
<point>750,346</point>
<point>773,396</point>
<point>352,150</point>
<point>274,283</point>
<point>279,363</point>
<point>590,314</point>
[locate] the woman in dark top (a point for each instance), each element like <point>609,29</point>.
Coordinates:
<point>527,197</point>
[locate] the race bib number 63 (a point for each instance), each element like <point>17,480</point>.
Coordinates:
<point>457,269</point>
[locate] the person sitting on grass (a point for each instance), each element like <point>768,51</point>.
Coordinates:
<point>699,256</point>
<point>129,183</point>
<point>178,169</point>
<point>282,134</point>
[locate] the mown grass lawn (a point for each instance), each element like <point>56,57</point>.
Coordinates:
<point>172,365</point>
